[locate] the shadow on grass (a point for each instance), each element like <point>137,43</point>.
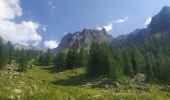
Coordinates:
<point>78,80</point>
<point>74,81</point>
<point>54,69</point>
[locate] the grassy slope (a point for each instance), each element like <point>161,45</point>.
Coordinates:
<point>45,84</point>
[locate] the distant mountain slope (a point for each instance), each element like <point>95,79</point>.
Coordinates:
<point>30,47</point>
<point>84,39</point>
<point>160,23</point>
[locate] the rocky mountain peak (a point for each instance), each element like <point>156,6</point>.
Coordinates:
<point>84,39</point>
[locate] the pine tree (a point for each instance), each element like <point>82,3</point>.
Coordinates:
<point>128,69</point>
<point>137,60</point>
<point>4,54</point>
<point>149,68</point>
<point>72,59</point>
<point>114,71</point>
<point>82,57</point>
<point>101,61</point>
<point>23,61</point>
<point>60,60</point>
<point>48,58</point>
<point>93,63</point>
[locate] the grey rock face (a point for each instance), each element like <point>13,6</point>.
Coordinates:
<point>84,39</point>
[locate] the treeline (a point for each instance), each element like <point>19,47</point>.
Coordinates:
<point>115,62</point>
<point>150,58</point>
<point>45,58</point>
<point>72,59</point>
<point>9,55</point>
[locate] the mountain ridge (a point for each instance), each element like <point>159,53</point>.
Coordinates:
<point>160,23</point>
<point>83,39</point>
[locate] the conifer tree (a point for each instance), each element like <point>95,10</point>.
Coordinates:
<point>60,60</point>
<point>149,68</point>
<point>82,57</point>
<point>137,60</point>
<point>128,68</point>
<point>23,61</point>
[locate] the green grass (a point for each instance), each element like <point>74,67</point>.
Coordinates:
<point>46,84</point>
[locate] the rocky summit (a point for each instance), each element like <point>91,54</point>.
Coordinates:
<point>84,39</point>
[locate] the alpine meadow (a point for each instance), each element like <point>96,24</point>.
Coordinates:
<point>84,50</point>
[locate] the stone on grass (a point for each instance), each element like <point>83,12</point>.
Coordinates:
<point>7,88</point>
<point>116,84</point>
<point>35,87</point>
<point>106,86</point>
<point>140,77</point>
<point>31,92</point>
<point>17,91</point>
<point>11,97</point>
<point>97,95</point>
<point>18,97</point>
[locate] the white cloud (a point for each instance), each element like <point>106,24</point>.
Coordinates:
<point>23,32</point>
<point>148,21</point>
<point>51,5</point>
<point>51,44</point>
<point>44,28</point>
<point>65,33</point>
<point>10,9</point>
<point>121,20</point>
<point>109,27</point>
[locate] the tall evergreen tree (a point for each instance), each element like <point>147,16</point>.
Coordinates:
<point>128,68</point>
<point>60,60</point>
<point>23,61</point>
<point>137,60</point>
<point>149,67</point>
<point>82,57</point>
<point>48,58</point>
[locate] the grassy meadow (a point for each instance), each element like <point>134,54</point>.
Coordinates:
<point>46,83</point>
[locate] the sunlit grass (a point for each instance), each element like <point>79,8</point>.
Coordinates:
<point>46,84</point>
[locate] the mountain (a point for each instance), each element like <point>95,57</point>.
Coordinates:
<point>30,47</point>
<point>160,23</point>
<point>83,39</point>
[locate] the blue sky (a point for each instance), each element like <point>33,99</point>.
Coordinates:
<point>52,19</point>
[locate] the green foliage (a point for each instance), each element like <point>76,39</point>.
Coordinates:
<point>137,60</point>
<point>72,59</point>
<point>101,61</point>
<point>23,61</point>
<point>45,58</point>
<point>60,60</point>
<point>83,57</point>
<point>128,67</point>
<point>4,54</point>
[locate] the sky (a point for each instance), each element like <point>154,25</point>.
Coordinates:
<point>43,23</point>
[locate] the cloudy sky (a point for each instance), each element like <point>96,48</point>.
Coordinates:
<point>44,22</point>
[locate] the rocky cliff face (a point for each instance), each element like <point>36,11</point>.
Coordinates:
<point>84,39</point>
